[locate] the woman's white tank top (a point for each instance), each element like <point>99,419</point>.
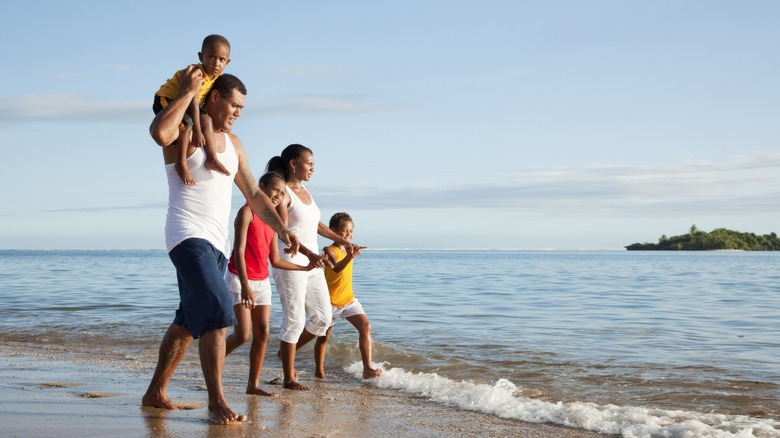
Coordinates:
<point>302,220</point>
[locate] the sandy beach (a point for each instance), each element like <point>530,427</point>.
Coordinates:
<point>48,393</point>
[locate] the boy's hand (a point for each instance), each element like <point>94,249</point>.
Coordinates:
<point>353,249</point>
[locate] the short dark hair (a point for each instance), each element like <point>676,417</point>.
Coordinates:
<point>226,83</point>
<point>213,39</point>
<point>338,218</point>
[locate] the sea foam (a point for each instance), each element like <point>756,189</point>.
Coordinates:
<point>504,399</point>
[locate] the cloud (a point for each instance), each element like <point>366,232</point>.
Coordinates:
<point>110,208</point>
<point>744,186</point>
<point>321,105</point>
<point>747,185</point>
<point>70,107</point>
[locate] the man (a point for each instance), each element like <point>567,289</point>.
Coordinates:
<point>196,234</point>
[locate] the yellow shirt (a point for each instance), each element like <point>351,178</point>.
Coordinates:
<point>340,283</point>
<point>172,87</point>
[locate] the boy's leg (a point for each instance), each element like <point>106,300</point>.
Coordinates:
<point>261,316</point>
<point>182,146</point>
<point>212,161</point>
<point>320,348</point>
<point>305,338</point>
<point>363,327</point>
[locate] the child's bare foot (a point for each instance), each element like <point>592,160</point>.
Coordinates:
<point>369,373</point>
<point>255,390</point>
<point>225,415</point>
<point>295,386</point>
<point>320,374</point>
<point>216,165</point>
<point>184,173</point>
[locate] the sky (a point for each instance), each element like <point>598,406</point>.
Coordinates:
<point>436,124</point>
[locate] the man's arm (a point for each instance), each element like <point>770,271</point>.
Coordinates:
<point>258,201</point>
<point>165,126</point>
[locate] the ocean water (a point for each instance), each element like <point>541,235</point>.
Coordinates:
<point>639,344</point>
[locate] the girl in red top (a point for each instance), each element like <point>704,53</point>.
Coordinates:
<point>248,280</point>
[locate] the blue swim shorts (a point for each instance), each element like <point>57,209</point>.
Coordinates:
<point>205,302</point>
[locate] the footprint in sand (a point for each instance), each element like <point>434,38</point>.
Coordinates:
<point>99,394</point>
<point>59,384</point>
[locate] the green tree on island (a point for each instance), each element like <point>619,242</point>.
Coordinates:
<point>718,239</point>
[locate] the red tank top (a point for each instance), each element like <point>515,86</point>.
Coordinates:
<point>258,244</point>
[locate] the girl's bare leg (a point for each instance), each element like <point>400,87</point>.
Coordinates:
<point>363,327</point>
<point>261,316</point>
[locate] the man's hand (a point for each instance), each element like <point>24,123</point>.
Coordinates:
<point>292,242</point>
<point>191,80</point>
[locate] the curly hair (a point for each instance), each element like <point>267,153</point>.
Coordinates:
<point>338,218</point>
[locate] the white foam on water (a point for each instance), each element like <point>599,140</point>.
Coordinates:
<point>504,399</point>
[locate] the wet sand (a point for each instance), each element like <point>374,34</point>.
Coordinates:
<point>51,393</point>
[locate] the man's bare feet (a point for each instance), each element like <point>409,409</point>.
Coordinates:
<point>157,401</point>
<point>216,165</point>
<point>255,390</point>
<point>368,373</point>
<point>224,415</point>
<point>320,374</point>
<point>295,386</point>
<point>184,173</point>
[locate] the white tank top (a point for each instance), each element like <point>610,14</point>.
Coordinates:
<point>302,220</point>
<point>201,210</point>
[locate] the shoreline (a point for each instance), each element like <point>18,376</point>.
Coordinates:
<point>47,393</point>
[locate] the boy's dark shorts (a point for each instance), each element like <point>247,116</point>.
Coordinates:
<point>205,302</point>
<point>161,102</point>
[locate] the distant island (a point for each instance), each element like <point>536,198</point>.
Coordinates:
<point>718,239</point>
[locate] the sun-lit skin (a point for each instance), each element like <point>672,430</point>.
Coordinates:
<point>304,166</point>
<point>214,59</point>
<point>345,230</point>
<point>230,107</point>
<point>275,190</point>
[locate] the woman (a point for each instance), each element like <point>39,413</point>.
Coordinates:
<point>301,293</point>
